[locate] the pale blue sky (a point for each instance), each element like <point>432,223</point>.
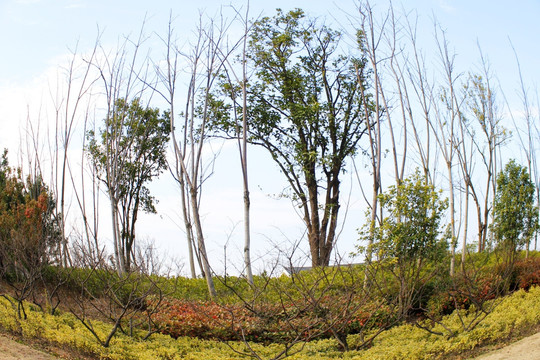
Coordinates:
<point>35,34</point>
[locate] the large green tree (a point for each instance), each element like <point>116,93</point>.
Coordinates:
<point>305,108</point>
<point>514,209</point>
<point>128,153</point>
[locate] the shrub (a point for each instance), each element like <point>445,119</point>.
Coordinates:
<point>463,291</point>
<point>516,313</point>
<point>270,322</point>
<point>527,273</point>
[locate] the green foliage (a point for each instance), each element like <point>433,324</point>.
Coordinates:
<point>514,209</point>
<point>306,108</point>
<point>130,150</point>
<point>306,105</point>
<point>127,154</point>
<point>516,313</point>
<point>407,243</point>
<point>411,229</point>
<point>29,233</point>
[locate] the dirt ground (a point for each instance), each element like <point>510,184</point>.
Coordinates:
<point>525,349</point>
<point>12,350</point>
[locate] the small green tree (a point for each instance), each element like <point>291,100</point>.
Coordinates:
<point>128,153</point>
<point>408,240</point>
<point>515,212</point>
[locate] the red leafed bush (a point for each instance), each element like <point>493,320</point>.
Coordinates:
<point>527,273</point>
<point>464,292</point>
<point>206,320</point>
<point>370,316</point>
<point>269,322</point>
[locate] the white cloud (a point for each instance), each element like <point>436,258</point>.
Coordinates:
<point>447,6</point>
<point>27,2</point>
<point>76,4</point>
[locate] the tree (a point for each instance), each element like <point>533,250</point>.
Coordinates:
<point>447,113</point>
<point>526,136</point>
<point>189,131</point>
<point>128,154</point>
<point>409,235</point>
<point>239,97</point>
<point>488,135</point>
<point>515,212</point>
<point>29,231</point>
<point>306,110</point>
<point>68,105</point>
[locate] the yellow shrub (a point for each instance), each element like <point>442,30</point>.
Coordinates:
<point>513,314</point>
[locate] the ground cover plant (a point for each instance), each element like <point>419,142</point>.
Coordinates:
<point>517,313</point>
<point>304,324</point>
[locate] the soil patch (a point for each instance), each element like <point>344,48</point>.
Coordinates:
<point>525,349</point>
<point>12,350</point>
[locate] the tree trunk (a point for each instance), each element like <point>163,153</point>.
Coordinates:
<point>201,244</point>
<point>452,220</point>
<point>247,236</point>
<point>465,230</point>
<point>118,253</point>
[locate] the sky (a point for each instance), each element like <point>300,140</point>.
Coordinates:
<point>37,35</point>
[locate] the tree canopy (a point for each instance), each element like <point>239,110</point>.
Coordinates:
<point>514,209</point>
<point>305,108</point>
<point>128,153</point>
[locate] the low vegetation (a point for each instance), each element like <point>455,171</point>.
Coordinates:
<point>452,317</point>
<point>514,314</point>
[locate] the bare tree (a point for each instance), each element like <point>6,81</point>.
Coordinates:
<point>323,302</point>
<point>69,106</point>
<point>237,79</point>
<point>205,60</point>
<point>527,137</point>
<point>127,300</point>
<point>446,116</point>
<point>465,152</point>
<point>487,135</point>
<point>422,88</point>
<point>370,41</point>
<point>169,78</point>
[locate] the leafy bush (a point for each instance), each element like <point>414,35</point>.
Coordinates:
<point>270,322</point>
<point>463,291</point>
<point>205,320</point>
<point>527,273</point>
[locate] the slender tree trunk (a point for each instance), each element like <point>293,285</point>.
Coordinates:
<point>247,236</point>
<point>316,242</point>
<point>201,244</point>
<point>465,230</point>
<point>189,233</point>
<point>244,157</point>
<point>452,220</point>
<point>118,252</point>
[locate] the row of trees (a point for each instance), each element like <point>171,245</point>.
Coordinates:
<point>317,100</point>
